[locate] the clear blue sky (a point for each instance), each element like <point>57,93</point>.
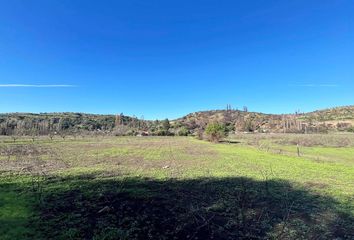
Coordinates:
<point>168,58</point>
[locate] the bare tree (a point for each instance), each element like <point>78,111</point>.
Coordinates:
<point>15,133</point>
<point>63,134</point>
<point>51,135</point>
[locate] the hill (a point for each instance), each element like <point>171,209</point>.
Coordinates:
<point>46,123</point>
<point>333,119</point>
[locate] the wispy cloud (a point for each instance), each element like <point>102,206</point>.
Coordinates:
<point>314,85</point>
<point>36,85</point>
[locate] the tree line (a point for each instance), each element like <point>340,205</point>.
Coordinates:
<point>63,124</point>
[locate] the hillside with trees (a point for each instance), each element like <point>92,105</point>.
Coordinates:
<point>322,121</point>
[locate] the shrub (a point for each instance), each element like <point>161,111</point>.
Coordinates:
<point>163,133</point>
<point>230,127</point>
<point>131,132</point>
<point>166,125</point>
<point>199,134</point>
<point>121,131</point>
<point>183,131</point>
<point>351,129</point>
<point>215,131</point>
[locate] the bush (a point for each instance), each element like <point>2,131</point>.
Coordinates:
<point>121,131</point>
<point>215,131</point>
<point>183,131</point>
<point>131,132</point>
<point>199,134</point>
<point>230,127</point>
<point>163,133</point>
<point>351,129</point>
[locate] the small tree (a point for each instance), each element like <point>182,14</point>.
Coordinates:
<point>51,135</point>
<point>166,125</point>
<point>215,131</point>
<point>63,134</point>
<point>33,133</point>
<point>164,128</point>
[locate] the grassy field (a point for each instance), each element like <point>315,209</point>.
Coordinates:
<point>249,187</point>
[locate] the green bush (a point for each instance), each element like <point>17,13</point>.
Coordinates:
<point>215,131</point>
<point>163,133</point>
<point>183,131</point>
<point>166,125</point>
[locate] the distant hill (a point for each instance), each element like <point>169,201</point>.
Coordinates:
<point>46,123</point>
<point>333,119</point>
<point>332,114</point>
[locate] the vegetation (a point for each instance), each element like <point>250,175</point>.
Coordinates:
<point>183,131</point>
<point>49,124</point>
<point>80,176</point>
<point>215,131</point>
<point>101,187</point>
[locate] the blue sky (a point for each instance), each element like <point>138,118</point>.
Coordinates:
<point>168,58</point>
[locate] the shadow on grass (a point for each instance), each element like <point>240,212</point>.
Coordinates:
<point>86,207</point>
<point>229,141</point>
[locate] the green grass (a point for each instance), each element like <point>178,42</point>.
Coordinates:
<point>337,178</point>
<point>148,180</point>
